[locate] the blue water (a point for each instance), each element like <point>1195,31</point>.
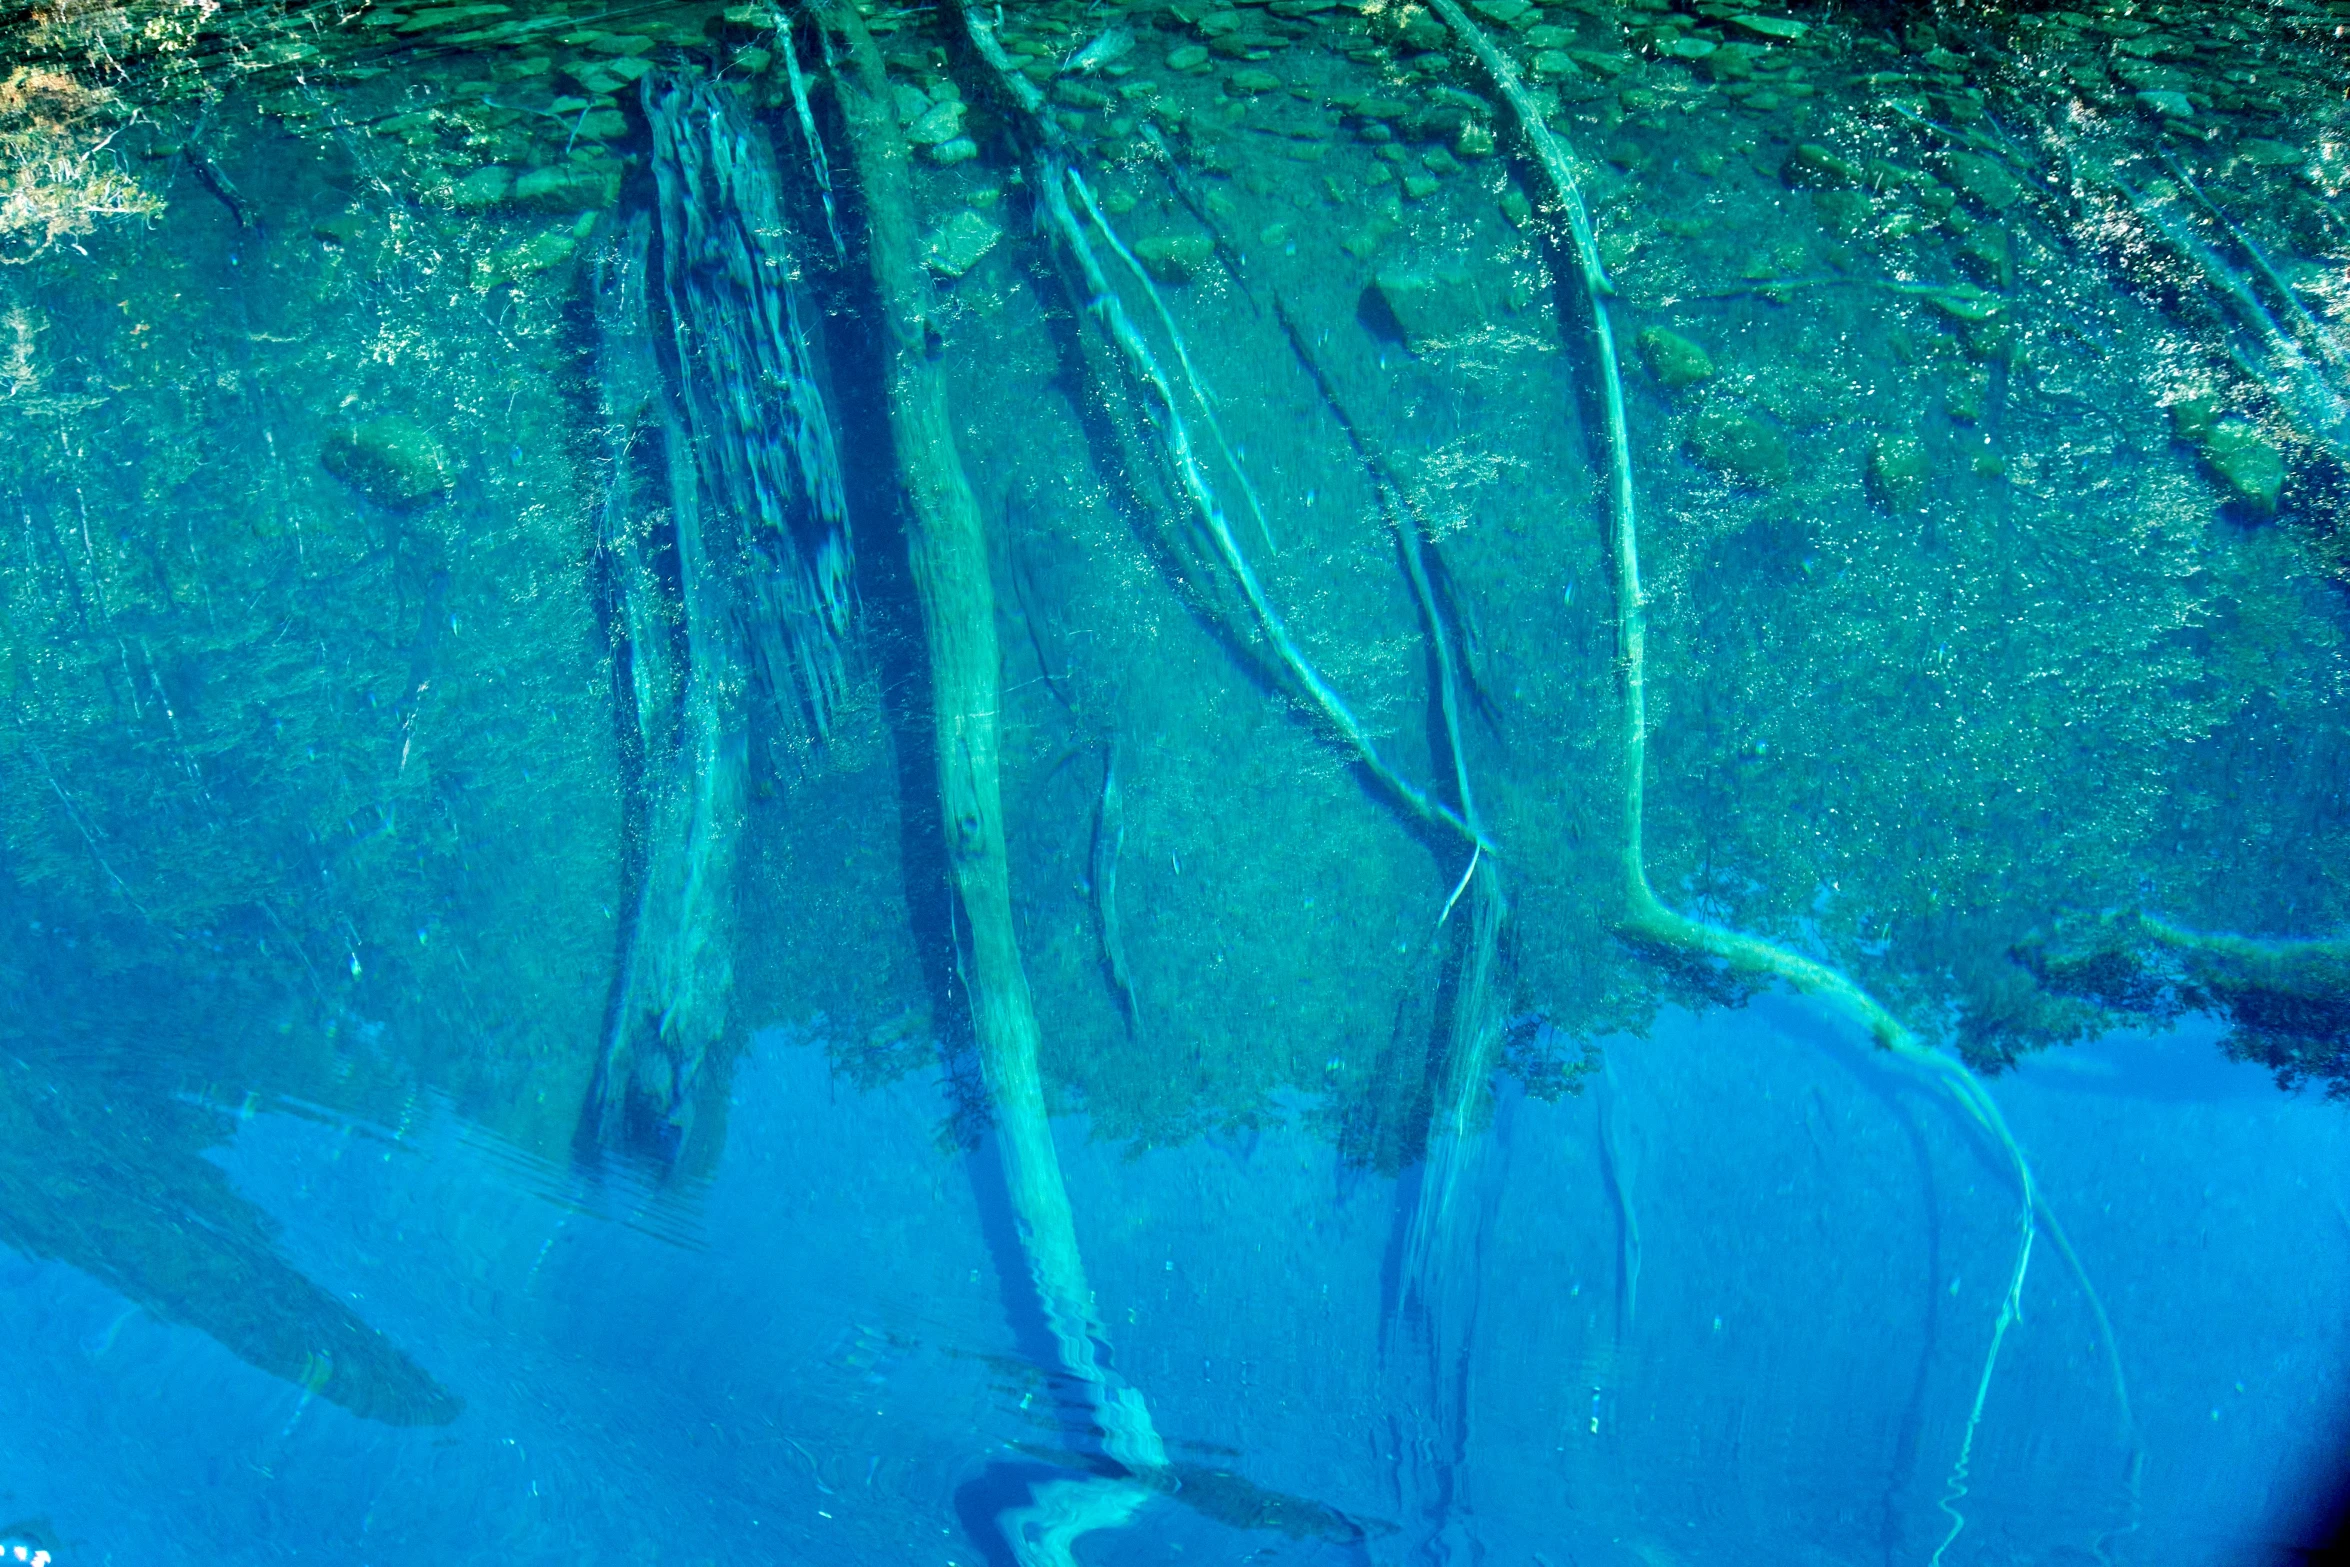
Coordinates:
<point>812,1363</point>
<point>1326,836</point>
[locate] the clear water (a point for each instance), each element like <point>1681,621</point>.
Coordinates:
<point>601,969</point>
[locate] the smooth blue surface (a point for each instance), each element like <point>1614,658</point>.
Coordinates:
<point>1820,1247</point>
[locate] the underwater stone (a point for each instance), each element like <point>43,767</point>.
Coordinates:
<point>1898,471</point>
<point>2266,154</point>
<point>949,153</point>
<point>1475,140</point>
<point>942,122</point>
<point>957,244</point>
<point>1672,359</point>
<point>1780,27</point>
<point>1422,31</point>
<point>2247,462</point>
<point>484,187</point>
<point>1733,62</point>
<point>1254,81</point>
<point>341,228</point>
<point>1986,251</point>
<point>1738,446</point>
<point>1813,167</point>
<point>603,124</point>
<point>1431,305</point>
<point>1842,211</point>
<point>1080,95</point>
<point>1688,48</point>
<point>2170,105</point>
<point>551,248</point>
<point>393,461</point>
<point>1504,12</point>
<point>568,187</point>
<point>1983,179</point>
<point>1419,187</point>
<point>1175,258</point>
<point>2192,417</point>
<point>593,78</point>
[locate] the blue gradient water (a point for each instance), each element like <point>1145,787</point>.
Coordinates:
<point>813,1363</point>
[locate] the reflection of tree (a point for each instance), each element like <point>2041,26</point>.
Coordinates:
<point>102,1166</point>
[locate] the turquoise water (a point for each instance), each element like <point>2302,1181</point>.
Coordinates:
<point>1332,781</point>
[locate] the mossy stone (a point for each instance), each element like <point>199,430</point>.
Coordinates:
<point>1984,180</point>
<point>483,188</point>
<point>2192,416</point>
<point>958,244</point>
<point>942,122</point>
<point>1842,212</point>
<point>1898,471</point>
<point>568,187</point>
<point>1733,62</point>
<point>1814,167</point>
<point>393,461</point>
<point>1987,252</point>
<point>2264,153</point>
<point>1422,31</point>
<point>1431,305</point>
<point>1672,359</point>
<point>1175,258</point>
<point>2247,462</point>
<point>1739,447</point>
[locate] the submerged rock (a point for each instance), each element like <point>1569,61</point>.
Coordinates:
<point>1430,305</point>
<point>2233,448</point>
<point>1672,359</point>
<point>1783,28</point>
<point>942,122</point>
<point>2247,463</point>
<point>1984,180</point>
<point>568,187</point>
<point>484,187</point>
<point>393,461</point>
<point>1814,167</point>
<point>958,244</point>
<point>1738,446</point>
<point>1175,258</point>
<point>1898,471</point>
